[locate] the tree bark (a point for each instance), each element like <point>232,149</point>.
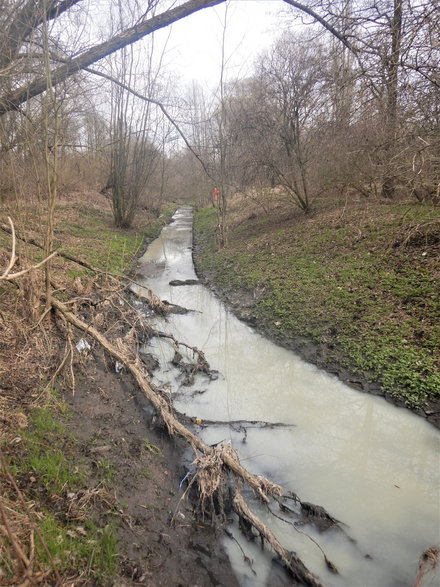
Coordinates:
<point>389,180</point>
<point>13,100</point>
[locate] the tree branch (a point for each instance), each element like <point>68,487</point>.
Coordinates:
<point>159,105</point>
<point>97,52</point>
<point>323,22</point>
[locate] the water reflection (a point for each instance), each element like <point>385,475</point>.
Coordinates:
<point>373,466</point>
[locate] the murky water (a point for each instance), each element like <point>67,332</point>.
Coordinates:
<point>371,465</point>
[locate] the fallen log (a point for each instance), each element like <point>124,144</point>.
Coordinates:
<point>263,488</point>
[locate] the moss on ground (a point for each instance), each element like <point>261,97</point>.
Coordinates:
<point>363,281</point>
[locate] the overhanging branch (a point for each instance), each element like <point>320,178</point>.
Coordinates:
<point>13,100</point>
<point>159,105</point>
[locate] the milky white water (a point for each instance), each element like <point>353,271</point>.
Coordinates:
<point>373,466</point>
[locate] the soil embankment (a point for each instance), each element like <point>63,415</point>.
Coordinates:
<point>90,487</point>
<point>352,289</point>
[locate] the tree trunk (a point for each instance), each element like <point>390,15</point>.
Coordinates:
<point>389,180</point>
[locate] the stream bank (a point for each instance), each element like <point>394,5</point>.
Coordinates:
<point>78,442</point>
<point>336,294</point>
<point>364,461</point>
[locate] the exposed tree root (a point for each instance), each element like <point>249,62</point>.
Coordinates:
<point>189,370</point>
<point>427,564</point>
<point>210,460</point>
<point>293,563</point>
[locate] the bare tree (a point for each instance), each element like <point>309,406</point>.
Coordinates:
<point>293,76</point>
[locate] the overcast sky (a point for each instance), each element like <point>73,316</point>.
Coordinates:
<point>194,43</point>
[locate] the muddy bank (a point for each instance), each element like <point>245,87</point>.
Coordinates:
<point>243,303</point>
<point>160,542</point>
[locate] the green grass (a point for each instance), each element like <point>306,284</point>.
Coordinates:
<point>51,469</point>
<point>45,451</point>
<point>74,547</point>
<point>166,212</point>
<point>106,471</point>
<point>151,448</point>
<point>348,285</point>
<point>93,238</point>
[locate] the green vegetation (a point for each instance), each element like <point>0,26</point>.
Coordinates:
<point>47,461</point>
<point>154,228</point>
<point>90,235</point>
<point>106,471</point>
<point>151,448</point>
<point>45,447</point>
<point>88,547</point>
<point>362,282</point>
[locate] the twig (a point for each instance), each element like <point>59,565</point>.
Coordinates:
<point>7,275</point>
<point>331,566</point>
<point>13,257</point>
<point>292,562</point>
<point>246,559</point>
<point>25,506</point>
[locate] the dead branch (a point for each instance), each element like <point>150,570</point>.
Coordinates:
<point>261,486</point>
<point>7,275</point>
<point>292,562</point>
<point>242,423</point>
<point>200,354</point>
<point>155,303</point>
<point>31,241</point>
<point>331,566</point>
<point>13,257</point>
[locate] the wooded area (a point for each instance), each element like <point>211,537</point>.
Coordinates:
<point>347,103</point>
<point>343,106</point>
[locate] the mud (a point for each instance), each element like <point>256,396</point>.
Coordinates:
<point>160,542</point>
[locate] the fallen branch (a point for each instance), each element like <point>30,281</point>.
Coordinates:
<point>13,257</point>
<point>202,363</point>
<point>154,302</point>
<point>242,423</point>
<point>33,242</point>
<point>261,486</point>
<point>7,275</point>
<point>293,563</point>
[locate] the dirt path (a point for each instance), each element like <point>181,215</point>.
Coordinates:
<point>113,424</point>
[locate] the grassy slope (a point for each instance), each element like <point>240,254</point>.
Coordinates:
<point>46,461</point>
<point>362,280</point>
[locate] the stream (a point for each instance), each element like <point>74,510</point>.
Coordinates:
<point>371,465</point>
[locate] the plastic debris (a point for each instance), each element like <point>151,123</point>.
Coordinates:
<point>82,346</point>
<point>187,476</point>
<point>118,367</point>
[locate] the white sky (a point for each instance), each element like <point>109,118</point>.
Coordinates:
<point>194,46</point>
